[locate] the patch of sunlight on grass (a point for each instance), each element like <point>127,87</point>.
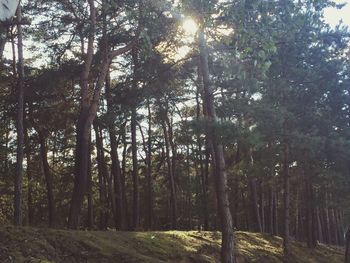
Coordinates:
<point>50,245</point>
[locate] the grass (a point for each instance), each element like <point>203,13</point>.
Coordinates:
<point>49,245</point>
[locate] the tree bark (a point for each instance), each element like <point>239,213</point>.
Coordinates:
<point>135,176</point>
<point>327,221</point>
<point>173,205</point>
<point>227,244</point>
<point>310,217</point>
<point>48,178</point>
<point>149,218</point>
<point>102,178</point>
<point>118,187</point>
<point>275,214</point>
<point>90,215</point>
<point>347,246</point>
<point>334,227</point>
<point>286,232</point>
<point>262,208</point>
<point>271,197</point>
<point>124,173</point>
<point>116,169</point>
<point>30,181</point>
<point>90,101</point>
<point>83,129</point>
<point>255,204</point>
<point>319,226</point>
<point>19,126</point>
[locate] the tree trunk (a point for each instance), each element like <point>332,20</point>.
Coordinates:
<point>286,233</point>
<point>48,178</point>
<point>124,173</point>
<point>334,227</point>
<point>327,223</point>
<point>115,169</point>
<point>83,129</point>
<point>271,210</point>
<point>310,217</point>
<point>319,226</point>
<point>262,208</point>
<point>135,176</point>
<point>90,101</point>
<point>296,228</point>
<point>90,215</point>
<point>340,228</point>
<point>255,204</point>
<point>275,214</point>
<point>227,244</point>
<point>149,218</point>
<point>202,179</point>
<point>206,186</point>
<point>118,187</point>
<point>103,180</point>
<point>30,181</point>
<point>173,205</point>
<point>19,126</point>
<point>81,170</point>
<point>347,246</point>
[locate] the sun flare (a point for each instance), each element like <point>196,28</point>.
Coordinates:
<point>189,26</point>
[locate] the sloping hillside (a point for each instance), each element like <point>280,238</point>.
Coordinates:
<point>47,245</point>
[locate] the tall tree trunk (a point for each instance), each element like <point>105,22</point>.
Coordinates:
<point>340,228</point>
<point>327,221</point>
<point>102,175</point>
<point>206,186</point>
<point>262,208</point>
<point>81,170</point>
<point>118,187</point>
<point>124,173</point>
<point>319,226</point>
<point>227,244</point>
<point>173,205</point>
<point>275,214</point>
<point>90,101</point>
<point>149,218</point>
<point>83,129</point>
<point>203,178</point>
<point>115,169</point>
<point>90,215</point>
<point>334,227</point>
<point>347,246</point>
<point>189,191</point>
<point>255,204</point>
<point>271,197</point>
<point>286,232</point>
<point>30,181</point>
<point>19,126</point>
<point>135,176</point>
<point>310,217</point>
<point>48,178</point>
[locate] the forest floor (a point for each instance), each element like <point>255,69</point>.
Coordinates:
<point>34,245</point>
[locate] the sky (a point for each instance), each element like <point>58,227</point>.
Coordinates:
<point>333,15</point>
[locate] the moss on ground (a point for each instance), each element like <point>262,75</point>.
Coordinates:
<point>34,245</point>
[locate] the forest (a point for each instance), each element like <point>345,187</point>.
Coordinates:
<point>214,116</point>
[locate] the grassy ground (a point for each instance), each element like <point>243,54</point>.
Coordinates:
<point>46,245</point>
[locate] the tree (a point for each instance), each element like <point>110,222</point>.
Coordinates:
<point>217,152</point>
<point>89,109</point>
<point>20,128</point>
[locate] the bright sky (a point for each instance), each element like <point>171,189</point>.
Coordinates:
<point>333,15</point>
